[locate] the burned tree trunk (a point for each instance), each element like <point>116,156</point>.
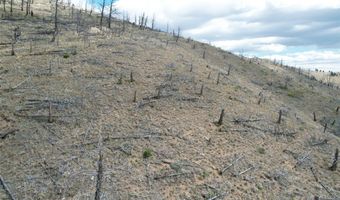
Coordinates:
<point>99,176</point>
<point>55,21</point>
<point>102,14</point>
<point>220,120</point>
<point>280,117</point>
<point>335,160</point>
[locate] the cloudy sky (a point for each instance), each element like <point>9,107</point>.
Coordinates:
<point>301,33</point>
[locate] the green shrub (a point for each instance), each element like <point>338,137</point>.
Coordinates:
<point>66,55</point>
<point>147,153</point>
<point>261,150</point>
<point>294,93</point>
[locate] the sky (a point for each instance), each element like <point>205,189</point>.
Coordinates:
<point>300,33</point>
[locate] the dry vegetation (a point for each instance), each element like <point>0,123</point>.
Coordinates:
<point>131,113</point>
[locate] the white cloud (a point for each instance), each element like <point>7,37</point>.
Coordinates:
<point>263,44</point>
<point>263,26</point>
<point>325,60</point>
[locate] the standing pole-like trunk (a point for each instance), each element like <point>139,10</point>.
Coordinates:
<point>110,13</point>
<point>55,21</point>
<point>102,14</point>
<point>22,5</point>
<point>4,1</point>
<point>11,7</point>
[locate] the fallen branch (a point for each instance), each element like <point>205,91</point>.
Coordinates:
<point>230,165</point>
<point>170,175</point>
<point>7,133</point>
<point>245,171</point>
<point>317,180</point>
<point>238,121</point>
<point>6,188</point>
<point>325,141</point>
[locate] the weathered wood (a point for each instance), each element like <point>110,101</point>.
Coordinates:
<point>99,176</point>
<point>6,133</point>
<point>220,120</point>
<point>230,165</point>
<point>335,160</point>
<point>6,188</point>
<point>280,116</point>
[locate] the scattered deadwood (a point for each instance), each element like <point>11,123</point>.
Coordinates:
<point>230,165</point>
<point>240,120</point>
<point>171,175</point>
<point>247,170</point>
<point>322,142</point>
<point>302,160</point>
<point>6,188</point>
<point>318,181</point>
<point>6,133</point>
<point>295,155</point>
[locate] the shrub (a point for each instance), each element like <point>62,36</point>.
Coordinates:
<point>147,153</point>
<point>261,150</point>
<point>66,55</point>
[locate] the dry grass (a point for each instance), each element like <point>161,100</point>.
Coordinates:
<point>91,97</point>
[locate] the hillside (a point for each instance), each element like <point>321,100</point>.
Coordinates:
<point>138,111</point>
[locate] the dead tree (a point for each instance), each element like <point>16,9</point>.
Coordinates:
<point>337,110</point>
<point>178,33</point>
<point>142,21</point>
<point>6,188</point>
<point>325,128</point>
<point>153,22</point>
<point>131,77</point>
<point>335,160</point>
<point>218,78</point>
<point>314,116</point>
<point>220,120</point>
<point>201,92</point>
<point>50,120</point>
<point>28,7</point>
<point>99,176</point>
<point>228,73</point>
<point>280,116</point>
<point>16,34</point>
<point>135,96</point>
<point>203,56</point>
<point>11,9</point>
<point>102,13</point>
<point>22,5</point>
<point>4,1</point>
<point>112,11</point>
<point>55,21</point>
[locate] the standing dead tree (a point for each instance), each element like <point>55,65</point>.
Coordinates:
<point>99,176</point>
<point>178,34</point>
<point>280,116</point>
<point>102,5</point>
<point>220,120</point>
<point>153,22</point>
<point>16,34</point>
<point>335,160</point>
<point>55,21</point>
<point>112,11</point>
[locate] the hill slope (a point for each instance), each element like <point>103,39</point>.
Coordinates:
<point>68,114</point>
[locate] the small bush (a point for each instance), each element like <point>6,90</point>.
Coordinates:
<point>66,55</point>
<point>147,153</point>
<point>261,150</point>
<point>294,93</point>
